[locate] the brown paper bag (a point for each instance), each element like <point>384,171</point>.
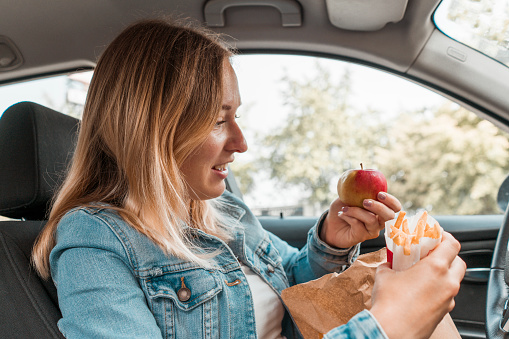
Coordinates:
<point>320,305</point>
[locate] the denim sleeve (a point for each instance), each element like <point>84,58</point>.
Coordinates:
<point>315,259</point>
<point>362,326</point>
<point>98,293</point>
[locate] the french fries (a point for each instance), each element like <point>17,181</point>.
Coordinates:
<point>411,239</point>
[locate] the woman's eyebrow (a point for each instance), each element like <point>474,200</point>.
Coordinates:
<point>226,107</point>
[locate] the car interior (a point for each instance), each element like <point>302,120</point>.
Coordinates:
<point>400,37</point>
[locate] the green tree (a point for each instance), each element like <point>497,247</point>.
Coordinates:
<point>445,159</point>
<point>448,161</point>
<point>323,137</point>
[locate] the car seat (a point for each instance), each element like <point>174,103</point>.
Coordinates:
<point>36,145</point>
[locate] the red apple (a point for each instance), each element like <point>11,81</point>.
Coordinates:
<point>355,185</point>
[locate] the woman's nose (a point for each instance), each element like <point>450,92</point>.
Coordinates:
<point>237,142</point>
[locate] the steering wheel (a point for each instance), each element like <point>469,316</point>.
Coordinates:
<point>498,289</point>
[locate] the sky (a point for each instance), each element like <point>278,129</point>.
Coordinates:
<point>260,86</point>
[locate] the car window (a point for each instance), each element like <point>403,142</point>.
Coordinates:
<point>480,24</point>
<point>308,119</point>
<point>64,93</point>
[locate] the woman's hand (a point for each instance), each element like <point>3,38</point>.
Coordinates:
<point>411,303</point>
<point>346,226</point>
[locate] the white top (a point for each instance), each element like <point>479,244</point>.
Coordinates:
<point>269,310</point>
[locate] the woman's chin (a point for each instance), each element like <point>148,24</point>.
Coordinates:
<point>210,193</point>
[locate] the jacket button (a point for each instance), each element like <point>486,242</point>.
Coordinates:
<point>184,294</point>
<point>270,269</point>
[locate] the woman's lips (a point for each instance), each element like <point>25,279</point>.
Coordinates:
<point>221,170</point>
<point>220,167</point>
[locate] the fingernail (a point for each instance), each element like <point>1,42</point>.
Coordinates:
<point>368,203</point>
<point>382,195</point>
<point>345,209</point>
<point>339,213</point>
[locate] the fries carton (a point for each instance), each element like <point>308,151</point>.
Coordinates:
<point>411,239</point>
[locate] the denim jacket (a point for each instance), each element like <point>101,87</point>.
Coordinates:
<point>113,282</point>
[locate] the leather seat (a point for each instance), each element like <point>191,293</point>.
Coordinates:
<point>36,145</point>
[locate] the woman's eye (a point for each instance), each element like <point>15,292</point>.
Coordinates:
<point>220,122</point>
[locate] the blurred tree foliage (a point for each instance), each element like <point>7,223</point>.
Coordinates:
<point>445,159</point>
<point>322,135</point>
<point>484,24</point>
<point>244,174</point>
<point>448,161</point>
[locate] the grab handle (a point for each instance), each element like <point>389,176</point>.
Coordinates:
<point>291,15</point>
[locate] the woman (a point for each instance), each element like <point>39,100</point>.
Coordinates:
<point>143,240</point>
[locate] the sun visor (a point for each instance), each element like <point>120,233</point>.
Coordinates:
<point>365,15</point>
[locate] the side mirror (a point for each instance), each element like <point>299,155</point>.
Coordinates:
<point>503,195</point>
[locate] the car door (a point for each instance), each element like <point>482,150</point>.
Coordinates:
<point>282,119</point>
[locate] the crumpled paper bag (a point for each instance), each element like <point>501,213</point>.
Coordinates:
<point>320,305</point>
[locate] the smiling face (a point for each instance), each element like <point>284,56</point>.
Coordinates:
<point>206,168</point>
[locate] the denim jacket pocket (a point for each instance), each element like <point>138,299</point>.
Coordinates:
<point>185,303</point>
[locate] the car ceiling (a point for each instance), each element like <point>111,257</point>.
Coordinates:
<point>64,35</point>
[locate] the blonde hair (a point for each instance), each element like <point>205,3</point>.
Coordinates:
<point>154,97</point>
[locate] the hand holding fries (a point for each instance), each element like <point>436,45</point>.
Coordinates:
<point>410,303</point>
<point>346,226</point>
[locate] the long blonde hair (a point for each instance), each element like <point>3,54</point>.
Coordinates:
<point>153,99</point>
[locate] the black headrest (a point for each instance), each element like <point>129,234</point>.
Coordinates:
<point>36,145</point>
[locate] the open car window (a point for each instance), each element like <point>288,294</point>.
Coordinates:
<point>64,93</point>
<point>308,119</point>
